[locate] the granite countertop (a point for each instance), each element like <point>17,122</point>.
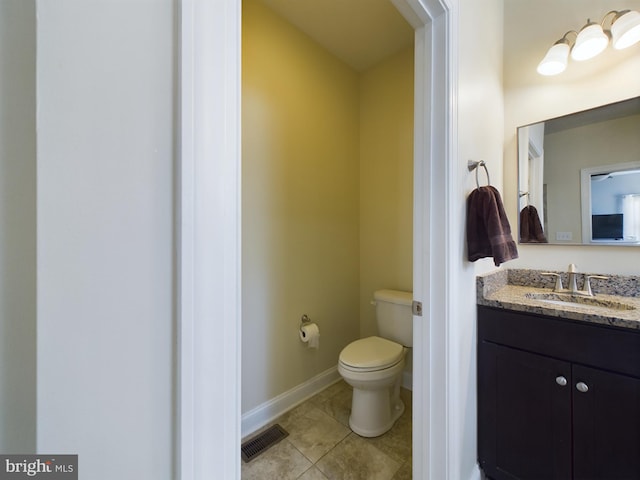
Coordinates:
<point>616,300</point>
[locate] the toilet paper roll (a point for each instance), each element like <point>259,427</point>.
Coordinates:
<point>310,334</point>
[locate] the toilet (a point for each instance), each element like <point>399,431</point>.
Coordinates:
<point>373,366</point>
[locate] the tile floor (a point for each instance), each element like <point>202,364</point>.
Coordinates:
<point>320,445</point>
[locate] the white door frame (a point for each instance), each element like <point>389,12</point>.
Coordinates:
<point>208,222</point>
<point>433,146</point>
<point>209,302</point>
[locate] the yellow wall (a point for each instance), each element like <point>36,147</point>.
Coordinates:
<point>18,218</point>
<point>300,205</point>
<point>327,179</point>
<point>386,181</point>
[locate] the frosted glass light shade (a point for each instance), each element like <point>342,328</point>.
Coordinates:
<point>555,61</point>
<point>625,30</point>
<point>590,42</point>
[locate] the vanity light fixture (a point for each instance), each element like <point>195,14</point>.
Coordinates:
<point>591,40</point>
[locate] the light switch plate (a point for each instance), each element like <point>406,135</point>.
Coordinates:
<point>564,236</point>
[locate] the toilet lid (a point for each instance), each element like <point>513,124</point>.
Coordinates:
<point>371,352</point>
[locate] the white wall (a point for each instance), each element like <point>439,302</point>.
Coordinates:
<point>530,98</point>
<point>606,196</point>
<point>105,235</point>
<point>480,127</point>
<point>17,226</point>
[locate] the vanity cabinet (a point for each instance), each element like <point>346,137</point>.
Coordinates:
<point>557,399</point>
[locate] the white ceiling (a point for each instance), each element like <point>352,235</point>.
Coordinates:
<point>359,32</point>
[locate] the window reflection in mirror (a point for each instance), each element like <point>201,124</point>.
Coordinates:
<point>611,203</point>
<point>579,177</point>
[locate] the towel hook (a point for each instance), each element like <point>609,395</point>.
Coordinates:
<point>473,165</point>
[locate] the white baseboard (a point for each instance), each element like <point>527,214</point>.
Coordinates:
<point>263,414</point>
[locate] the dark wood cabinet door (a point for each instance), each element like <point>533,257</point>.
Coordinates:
<point>606,425</point>
<point>524,414</point>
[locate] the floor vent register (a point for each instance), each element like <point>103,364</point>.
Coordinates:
<point>262,442</point>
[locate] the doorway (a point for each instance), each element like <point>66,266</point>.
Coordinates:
<point>208,431</point>
<point>327,159</point>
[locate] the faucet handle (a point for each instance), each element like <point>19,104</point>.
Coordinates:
<point>587,283</point>
<point>558,287</point>
<point>572,268</point>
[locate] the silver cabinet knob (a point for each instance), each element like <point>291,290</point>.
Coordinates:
<point>561,381</point>
<point>582,387</point>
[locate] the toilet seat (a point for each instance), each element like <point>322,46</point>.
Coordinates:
<point>371,354</point>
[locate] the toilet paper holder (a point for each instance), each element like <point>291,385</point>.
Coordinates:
<point>305,320</point>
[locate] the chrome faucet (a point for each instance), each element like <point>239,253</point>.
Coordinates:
<point>572,271</point>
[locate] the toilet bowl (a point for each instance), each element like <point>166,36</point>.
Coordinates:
<point>373,367</point>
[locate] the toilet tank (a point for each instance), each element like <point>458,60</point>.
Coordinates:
<point>394,316</point>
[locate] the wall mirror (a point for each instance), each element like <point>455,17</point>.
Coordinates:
<point>579,178</point>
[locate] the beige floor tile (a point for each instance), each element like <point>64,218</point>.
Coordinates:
<point>336,401</point>
<point>312,474</point>
<point>331,390</point>
<point>319,433</point>
<point>312,431</point>
<point>405,472</point>
<point>407,398</point>
<point>356,459</point>
<point>397,442</point>
<point>281,462</point>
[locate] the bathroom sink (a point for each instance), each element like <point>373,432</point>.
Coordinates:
<point>579,301</point>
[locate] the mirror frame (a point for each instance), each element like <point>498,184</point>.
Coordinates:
<point>589,116</point>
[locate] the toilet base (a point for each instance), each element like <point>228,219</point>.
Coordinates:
<point>380,427</point>
<point>373,412</point>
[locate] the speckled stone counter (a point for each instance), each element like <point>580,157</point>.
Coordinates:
<point>517,289</point>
